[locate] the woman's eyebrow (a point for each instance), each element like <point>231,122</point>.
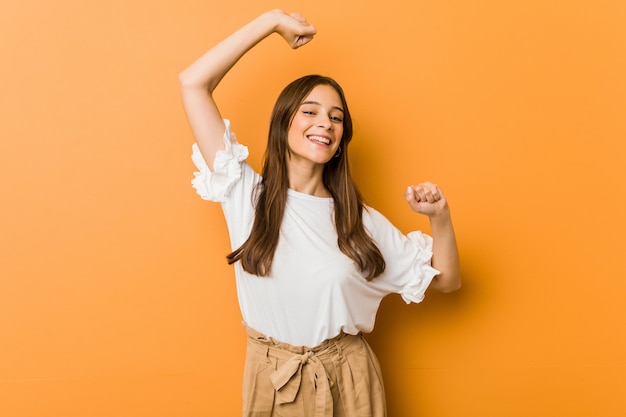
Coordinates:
<point>319,104</point>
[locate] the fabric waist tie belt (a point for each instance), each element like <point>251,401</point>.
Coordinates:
<point>298,360</point>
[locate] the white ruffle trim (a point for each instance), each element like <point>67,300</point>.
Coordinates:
<point>424,272</point>
<point>216,185</point>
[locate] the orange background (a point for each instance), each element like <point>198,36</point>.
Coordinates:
<point>115,299</point>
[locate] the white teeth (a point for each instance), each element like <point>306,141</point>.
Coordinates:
<point>320,139</point>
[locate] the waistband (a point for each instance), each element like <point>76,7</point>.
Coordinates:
<point>260,338</point>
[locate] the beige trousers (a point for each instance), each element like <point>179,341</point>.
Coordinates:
<point>340,378</point>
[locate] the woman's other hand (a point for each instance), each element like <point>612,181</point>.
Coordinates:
<point>294,28</point>
<point>426,198</point>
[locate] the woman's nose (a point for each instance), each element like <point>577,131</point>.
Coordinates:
<point>324,121</point>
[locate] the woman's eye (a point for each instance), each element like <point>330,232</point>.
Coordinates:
<point>336,119</point>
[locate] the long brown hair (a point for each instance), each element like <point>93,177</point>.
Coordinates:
<point>257,253</point>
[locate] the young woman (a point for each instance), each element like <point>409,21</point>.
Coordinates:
<point>312,262</point>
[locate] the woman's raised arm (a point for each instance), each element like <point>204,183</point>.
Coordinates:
<point>199,80</point>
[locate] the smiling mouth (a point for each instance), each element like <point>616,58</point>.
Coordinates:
<point>319,139</point>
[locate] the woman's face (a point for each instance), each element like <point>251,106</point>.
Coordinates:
<point>317,127</point>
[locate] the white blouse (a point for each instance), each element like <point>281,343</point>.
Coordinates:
<point>314,290</point>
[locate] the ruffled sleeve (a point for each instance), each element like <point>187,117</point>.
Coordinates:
<point>216,185</point>
<point>408,269</point>
<point>424,273</point>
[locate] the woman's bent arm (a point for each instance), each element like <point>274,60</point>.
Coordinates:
<point>445,254</point>
<point>428,199</point>
<point>199,80</point>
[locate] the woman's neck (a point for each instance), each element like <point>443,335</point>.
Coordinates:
<point>308,180</point>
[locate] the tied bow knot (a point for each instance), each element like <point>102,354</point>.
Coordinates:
<point>288,377</point>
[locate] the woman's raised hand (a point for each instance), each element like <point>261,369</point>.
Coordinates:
<point>294,28</point>
<point>426,198</point>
